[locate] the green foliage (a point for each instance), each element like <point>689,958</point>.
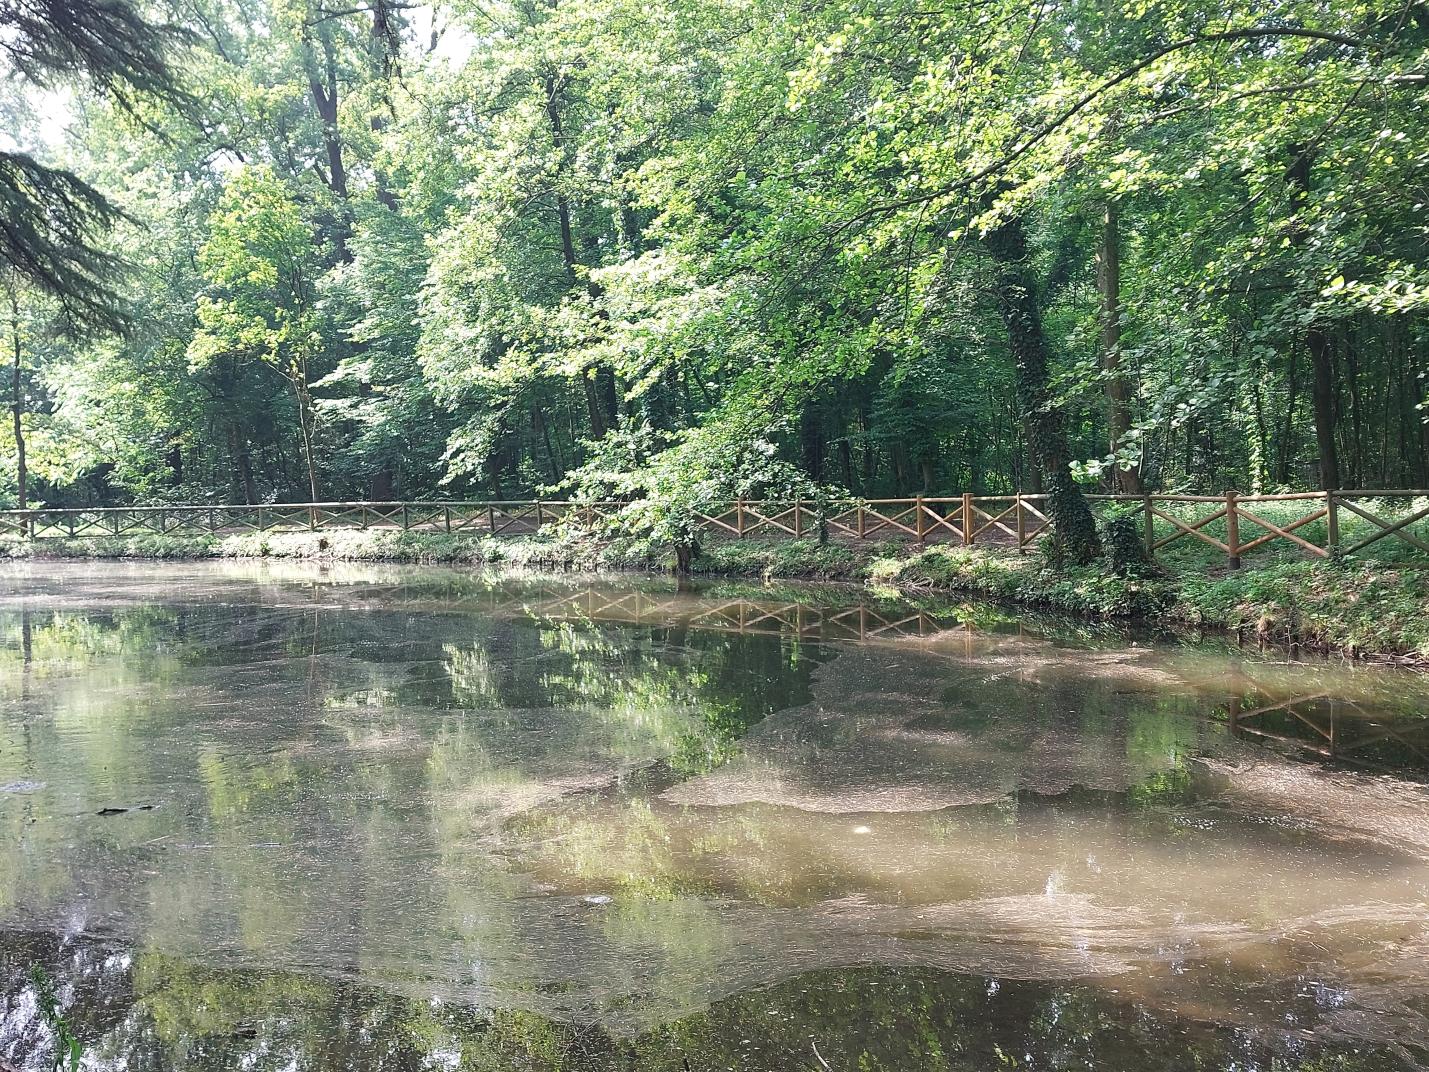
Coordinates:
<point>1124,543</point>
<point>669,480</point>
<point>682,252</point>
<point>54,219</point>
<point>1086,590</point>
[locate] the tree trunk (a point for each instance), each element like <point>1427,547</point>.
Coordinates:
<point>175,461</point>
<point>322,84</point>
<point>538,425</point>
<point>1323,400</point>
<point>234,490</point>
<point>595,412</point>
<point>811,440</point>
<point>602,395</point>
<point>384,481</point>
<point>305,427</point>
<point>1074,527</point>
<point>384,45</point>
<point>17,402</point>
<point>1118,388</point>
<point>1349,347</point>
<point>1322,365</point>
<point>1287,435</point>
<point>607,395</point>
<point>1032,477</point>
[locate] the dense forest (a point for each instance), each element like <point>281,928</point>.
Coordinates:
<point>305,250</point>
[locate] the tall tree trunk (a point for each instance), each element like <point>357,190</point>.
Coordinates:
<point>1074,526</point>
<point>384,482</point>
<point>601,393</point>
<point>17,401</point>
<point>1322,364</point>
<point>175,461</point>
<point>1323,400</point>
<point>607,394</point>
<point>322,84</point>
<point>538,425</point>
<point>811,440</point>
<point>240,467</point>
<point>305,426</point>
<point>1349,347</point>
<point>1287,434</point>
<point>1262,432</point>
<point>1127,478</point>
<point>384,47</point>
<point>595,412</point>
<point>1032,477</point>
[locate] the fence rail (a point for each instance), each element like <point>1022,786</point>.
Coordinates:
<point>1318,524</point>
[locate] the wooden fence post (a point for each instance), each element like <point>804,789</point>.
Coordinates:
<point>1332,524</point>
<point>918,507</point>
<point>967,519</point>
<point>1232,531</point>
<point>798,517</point>
<point>447,517</point>
<point>406,520</point>
<point>859,516</point>
<point>1021,525</point>
<point>739,518</point>
<point>538,515</point>
<point>1150,526</point>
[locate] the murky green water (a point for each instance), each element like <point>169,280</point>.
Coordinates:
<point>282,817</point>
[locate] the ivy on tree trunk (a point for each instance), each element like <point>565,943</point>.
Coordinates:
<point>1074,527</point>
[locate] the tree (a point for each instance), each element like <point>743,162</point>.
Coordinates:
<point>17,398</point>
<point>894,248</point>
<point>260,304</point>
<point>50,219</point>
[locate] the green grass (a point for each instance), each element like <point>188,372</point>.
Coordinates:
<point>355,545</point>
<point>1358,609</point>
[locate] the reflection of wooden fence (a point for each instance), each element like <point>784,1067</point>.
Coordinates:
<point>1335,728</point>
<point>1233,525</point>
<point>741,615</point>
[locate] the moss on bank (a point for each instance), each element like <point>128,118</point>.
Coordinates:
<point>1363,610</point>
<point>1356,610</point>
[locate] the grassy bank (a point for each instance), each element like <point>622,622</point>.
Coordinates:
<point>1371,610</point>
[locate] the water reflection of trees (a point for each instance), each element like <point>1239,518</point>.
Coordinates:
<point>152,1011</point>
<point>294,765</point>
<point>419,791</point>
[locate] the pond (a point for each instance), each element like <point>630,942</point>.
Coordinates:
<point>286,816</point>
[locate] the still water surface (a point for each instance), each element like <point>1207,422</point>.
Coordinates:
<point>267,816</point>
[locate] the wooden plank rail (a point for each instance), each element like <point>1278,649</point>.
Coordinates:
<point>1232,525</point>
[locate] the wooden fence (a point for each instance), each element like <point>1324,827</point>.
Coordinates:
<point>1318,524</point>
